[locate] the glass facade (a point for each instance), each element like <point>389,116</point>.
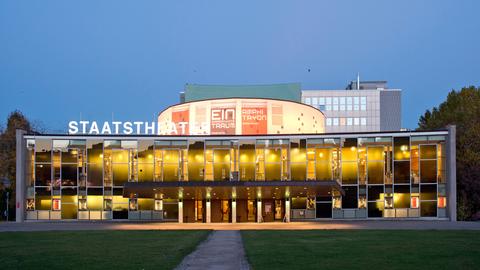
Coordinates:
<point>397,176</point>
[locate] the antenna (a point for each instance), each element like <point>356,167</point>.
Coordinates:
<point>358,81</point>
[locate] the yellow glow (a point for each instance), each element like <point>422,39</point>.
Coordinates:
<point>101,155</point>
<point>352,148</point>
<point>150,156</point>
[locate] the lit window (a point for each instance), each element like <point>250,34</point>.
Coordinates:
<point>321,101</point>
<point>363,121</point>
<point>442,202</point>
<point>356,107</point>
<point>342,121</point>
<point>329,121</point>
<point>314,101</point>
<point>328,100</point>
<point>356,121</point>
<point>349,100</point>
<point>363,100</point>
<point>349,121</point>
<point>335,121</point>
<point>335,107</point>
<point>363,107</point>
<point>328,107</point>
<point>335,100</point>
<point>342,100</point>
<point>308,101</point>
<point>356,100</point>
<point>342,107</point>
<point>349,107</point>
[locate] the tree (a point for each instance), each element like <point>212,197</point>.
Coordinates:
<point>16,120</point>
<point>462,108</point>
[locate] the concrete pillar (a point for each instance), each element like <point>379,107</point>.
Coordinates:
<point>234,211</point>
<point>259,211</point>
<point>20,176</point>
<point>208,212</point>
<point>287,210</point>
<point>180,211</point>
<point>452,173</point>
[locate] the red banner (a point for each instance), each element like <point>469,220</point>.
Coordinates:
<point>254,119</point>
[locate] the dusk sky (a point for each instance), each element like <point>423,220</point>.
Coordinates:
<point>62,59</point>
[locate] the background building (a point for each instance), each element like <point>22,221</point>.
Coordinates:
<point>364,106</point>
<point>370,106</point>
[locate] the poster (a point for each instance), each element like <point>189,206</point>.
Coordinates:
<point>181,118</point>
<point>254,118</point>
<point>222,119</point>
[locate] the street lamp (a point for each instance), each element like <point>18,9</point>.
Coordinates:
<point>6,184</point>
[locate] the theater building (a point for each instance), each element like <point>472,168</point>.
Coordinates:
<point>235,160</point>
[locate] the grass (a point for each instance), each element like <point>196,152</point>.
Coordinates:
<point>363,249</point>
<point>97,249</point>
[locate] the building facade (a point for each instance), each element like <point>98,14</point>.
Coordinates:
<point>237,178</point>
<point>369,107</point>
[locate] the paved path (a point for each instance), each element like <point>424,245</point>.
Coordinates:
<point>222,250</point>
<point>313,225</point>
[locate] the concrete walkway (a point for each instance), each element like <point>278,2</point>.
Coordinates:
<point>312,225</point>
<point>221,250</point>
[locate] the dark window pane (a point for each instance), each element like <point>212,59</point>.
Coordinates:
<point>375,193</point>
<point>401,172</point>
<point>428,209</point>
<point>350,199</point>
<point>428,152</point>
<point>401,196</point>
<point>43,150</point>
<point>428,171</point>
<point>95,175</point>
<point>70,156</point>
<point>120,174</point>
<point>95,152</point>
<point>428,192</point>
<point>324,210</point>
<point>299,203</point>
<point>375,209</point>
<point>375,172</point>
<point>43,199</point>
<point>69,174</point>
<point>43,174</point>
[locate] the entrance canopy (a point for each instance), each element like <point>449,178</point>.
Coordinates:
<point>231,189</point>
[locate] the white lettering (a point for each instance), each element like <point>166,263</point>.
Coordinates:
<point>94,128</point>
<point>106,128</point>
<point>139,126</point>
<point>183,127</point>
<point>73,127</point>
<point>127,128</point>
<point>150,129</point>
<point>84,126</point>
<point>116,124</point>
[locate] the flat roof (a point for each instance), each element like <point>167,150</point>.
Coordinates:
<point>246,137</point>
<point>283,91</point>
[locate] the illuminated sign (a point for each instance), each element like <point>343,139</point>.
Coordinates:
<point>231,116</point>
<point>241,116</point>
<point>117,127</point>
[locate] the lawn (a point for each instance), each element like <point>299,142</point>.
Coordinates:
<point>363,249</point>
<point>97,249</point>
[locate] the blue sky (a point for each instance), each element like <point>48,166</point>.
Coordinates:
<point>60,59</point>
